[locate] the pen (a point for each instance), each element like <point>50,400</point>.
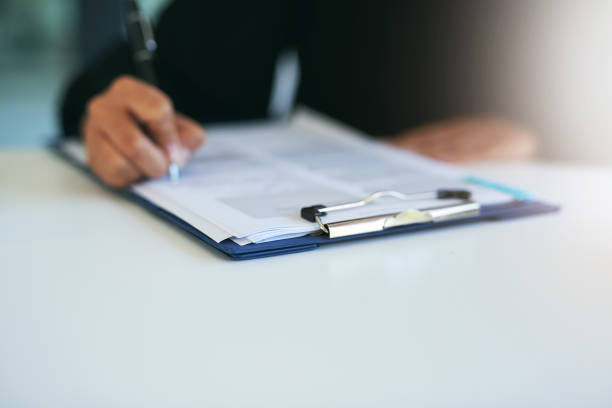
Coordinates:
<point>140,35</point>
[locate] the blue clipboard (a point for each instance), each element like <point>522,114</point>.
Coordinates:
<point>526,206</point>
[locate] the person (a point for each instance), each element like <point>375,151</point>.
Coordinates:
<point>383,67</point>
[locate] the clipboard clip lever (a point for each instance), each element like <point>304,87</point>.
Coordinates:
<point>467,207</point>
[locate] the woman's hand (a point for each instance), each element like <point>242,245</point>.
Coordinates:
<point>132,131</point>
<point>469,139</point>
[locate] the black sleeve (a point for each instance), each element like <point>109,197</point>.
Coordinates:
<point>215,59</point>
<point>91,81</point>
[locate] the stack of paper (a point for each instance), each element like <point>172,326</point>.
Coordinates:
<point>249,182</point>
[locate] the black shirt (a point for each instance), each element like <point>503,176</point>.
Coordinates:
<point>382,66</point>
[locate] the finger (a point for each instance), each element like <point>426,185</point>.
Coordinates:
<point>425,142</point>
<point>129,139</point>
<point>423,137</point>
<point>483,140</point>
<point>153,109</point>
<point>106,161</point>
<point>191,134</point>
<point>436,147</point>
<point>454,141</point>
<point>450,156</point>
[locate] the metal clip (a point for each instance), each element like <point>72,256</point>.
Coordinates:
<point>466,208</point>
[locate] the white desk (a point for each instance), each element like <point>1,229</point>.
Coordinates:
<point>104,305</point>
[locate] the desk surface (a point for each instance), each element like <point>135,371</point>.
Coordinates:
<point>102,304</point>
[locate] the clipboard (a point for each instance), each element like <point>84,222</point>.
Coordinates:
<point>466,211</point>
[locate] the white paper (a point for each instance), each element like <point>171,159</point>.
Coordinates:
<point>250,181</point>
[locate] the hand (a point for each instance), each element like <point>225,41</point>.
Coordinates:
<point>469,139</point>
<point>118,149</point>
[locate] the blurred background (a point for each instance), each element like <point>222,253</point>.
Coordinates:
<point>42,44</point>
<point>551,58</point>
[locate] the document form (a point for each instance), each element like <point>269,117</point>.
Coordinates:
<point>249,182</point>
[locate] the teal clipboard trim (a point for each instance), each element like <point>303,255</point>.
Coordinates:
<point>514,192</point>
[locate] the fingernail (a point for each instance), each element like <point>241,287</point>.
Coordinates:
<point>178,154</point>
